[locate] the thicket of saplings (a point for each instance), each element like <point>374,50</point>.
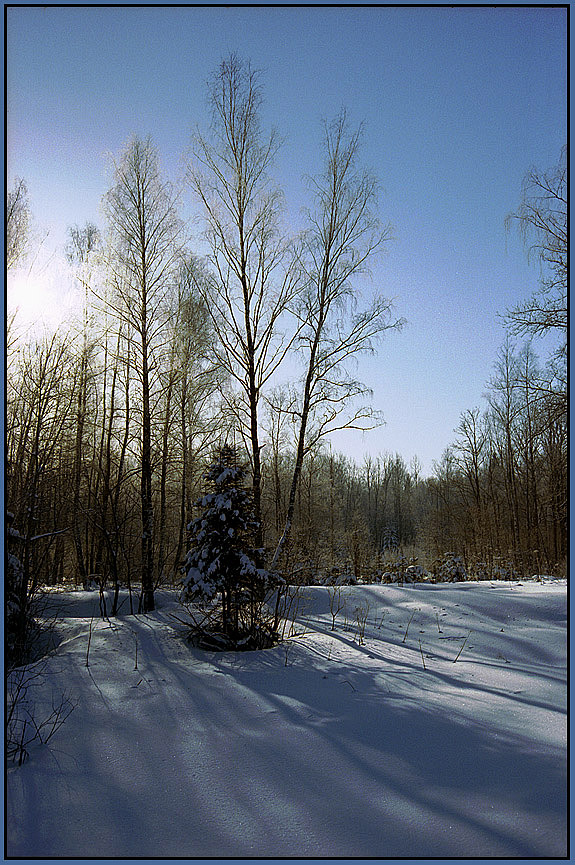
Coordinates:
<point>495,506</point>
<point>378,522</point>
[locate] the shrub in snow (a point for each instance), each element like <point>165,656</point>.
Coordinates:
<point>338,579</point>
<point>416,574</point>
<point>500,569</point>
<point>404,570</point>
<point>449,569</point>
<point>305,571</point>
<point>223,572</point>
<point>395,570</point>
<point>346,580</point>
<point>504,570</point>
<point>24,725</point>
<point>481,571</point>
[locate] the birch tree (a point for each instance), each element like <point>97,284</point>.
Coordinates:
<point>343,236</point>
<point>145,235</point>
<point>253,281</point>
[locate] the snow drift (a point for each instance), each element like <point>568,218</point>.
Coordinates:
<point>431,722</point>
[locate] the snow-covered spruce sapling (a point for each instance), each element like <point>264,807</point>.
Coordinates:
<point>223,570</point>
<point>450,569</point>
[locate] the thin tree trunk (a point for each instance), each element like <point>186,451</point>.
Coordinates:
<point>163,476</point>
<point>147,597</point>
<point>78,460</point>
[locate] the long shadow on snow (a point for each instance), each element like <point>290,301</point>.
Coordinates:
<point>445,751</point>
<point>419,756</point>
<point>286,762</point>
<point>401,664</point>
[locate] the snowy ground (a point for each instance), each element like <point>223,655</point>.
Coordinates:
<point>321,747</point>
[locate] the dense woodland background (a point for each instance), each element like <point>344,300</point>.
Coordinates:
<point>113,420</point>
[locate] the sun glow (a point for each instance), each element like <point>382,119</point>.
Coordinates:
<point>41,296</point>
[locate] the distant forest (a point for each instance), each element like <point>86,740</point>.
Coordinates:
<point>113,421</point>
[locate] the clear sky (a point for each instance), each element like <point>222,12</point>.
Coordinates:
<point>458,103</point>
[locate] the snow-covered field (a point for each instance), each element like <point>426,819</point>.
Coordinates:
<point>329,745</point>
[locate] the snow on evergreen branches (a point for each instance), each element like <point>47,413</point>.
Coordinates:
<point>222,564</point>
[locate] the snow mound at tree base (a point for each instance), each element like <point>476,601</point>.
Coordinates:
<point>218,642</point>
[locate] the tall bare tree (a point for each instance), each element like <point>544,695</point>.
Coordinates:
<point>188,383</point>
<point>145,236</point>
<point>470,450</point>
<point>344,235</point>
<point>505,411</point>
<point>82,245</point>
<point>253,282</point>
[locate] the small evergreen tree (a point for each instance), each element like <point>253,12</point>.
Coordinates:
<point>390,539</point>
<point>222,567</point>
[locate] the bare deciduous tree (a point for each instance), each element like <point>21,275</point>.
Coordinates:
<point>343,236</point>
<point>17,222</point>
<point>40,421</point>
<point>542,218</point>
<point>82,245</point>
<point>253,281</point>
<point>188,381</point>
<point>145,235</point>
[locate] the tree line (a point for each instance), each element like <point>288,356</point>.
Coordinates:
<point>112,421</point>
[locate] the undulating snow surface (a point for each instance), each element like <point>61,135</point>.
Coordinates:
<point>320,747</point>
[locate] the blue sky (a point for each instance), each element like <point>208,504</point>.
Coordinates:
<point>458,103</point>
